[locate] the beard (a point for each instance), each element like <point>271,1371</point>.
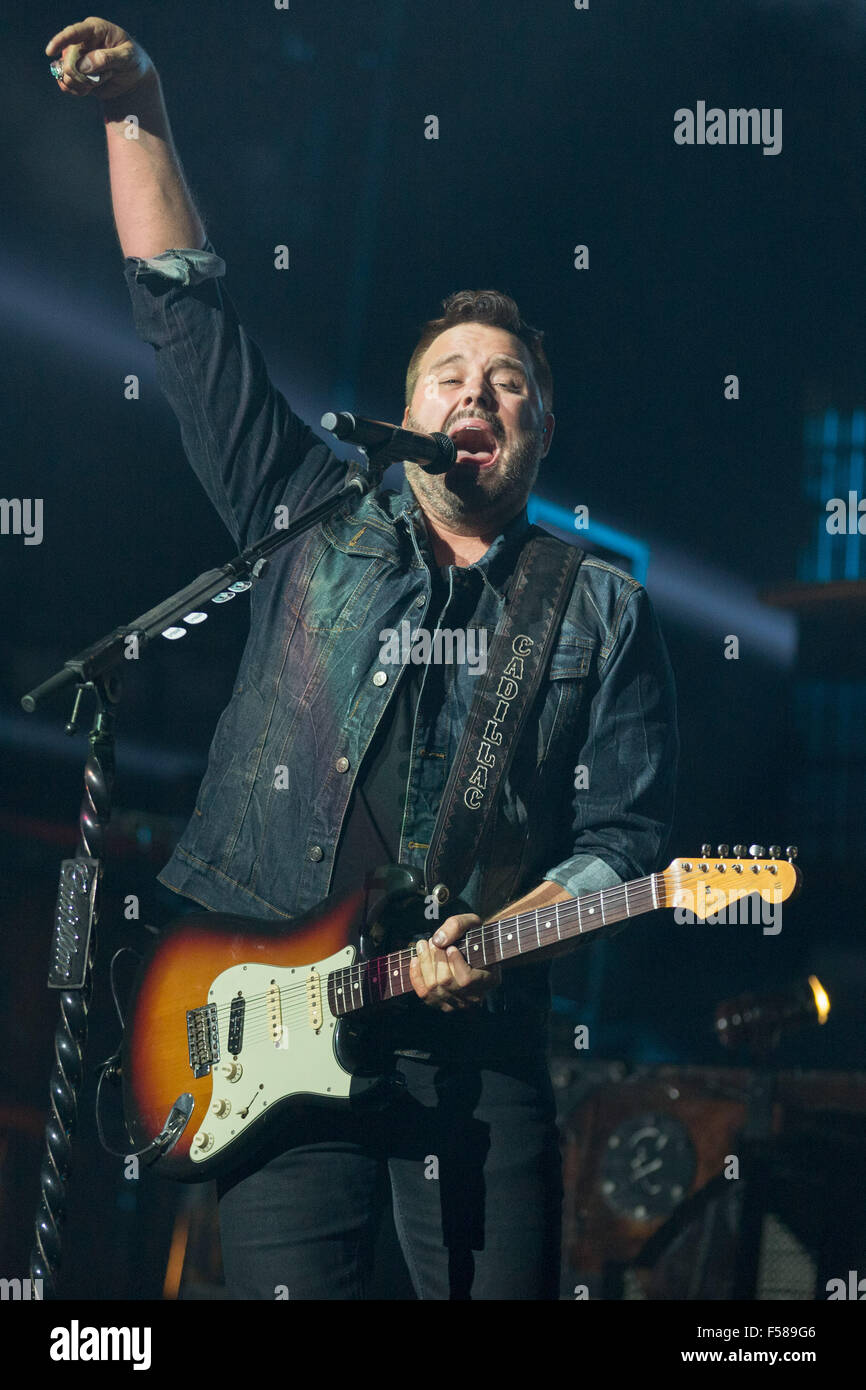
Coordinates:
<point>471,499</point>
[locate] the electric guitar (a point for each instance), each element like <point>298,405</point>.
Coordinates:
<point>234,1018</point>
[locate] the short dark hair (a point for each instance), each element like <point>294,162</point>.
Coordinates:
<point>498,311</point>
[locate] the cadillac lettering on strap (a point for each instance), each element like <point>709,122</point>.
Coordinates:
<point>540,589</point>
<point>508,687</point>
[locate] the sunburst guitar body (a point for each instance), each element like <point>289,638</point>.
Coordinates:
<point>233,1019</point>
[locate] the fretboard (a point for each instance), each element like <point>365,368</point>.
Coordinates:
<point>387,977</point>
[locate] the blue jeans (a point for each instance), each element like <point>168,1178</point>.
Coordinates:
<point>471,1156</point>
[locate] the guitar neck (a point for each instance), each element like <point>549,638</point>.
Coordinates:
<point>387,977</point>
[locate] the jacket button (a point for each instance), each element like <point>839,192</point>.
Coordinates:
<point>315,852</point>
<point>342,764</point>
<point>380,677</point>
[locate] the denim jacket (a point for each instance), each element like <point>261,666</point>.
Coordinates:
<point>311,688</point>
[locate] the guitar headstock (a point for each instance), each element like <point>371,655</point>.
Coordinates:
<point>707,884</point>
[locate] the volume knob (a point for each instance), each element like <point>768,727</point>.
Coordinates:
<point>233,1071</point>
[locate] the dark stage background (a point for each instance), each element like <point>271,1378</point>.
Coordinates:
<point>306,128</point>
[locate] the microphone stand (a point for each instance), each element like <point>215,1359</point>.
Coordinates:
<point>73,952</point>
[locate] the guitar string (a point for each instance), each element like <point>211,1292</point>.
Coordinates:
<point>295,1010</point>
<point>641,894</point>
<point>258,1004</point>
<point>295,1017</point>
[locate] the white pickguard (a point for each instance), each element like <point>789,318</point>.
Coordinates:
<point>282,1053</point>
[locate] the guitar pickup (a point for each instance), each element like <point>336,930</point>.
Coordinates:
<point>274,1008</point>
<point>203,1040</point>
<point>236,1024</point>
<point>314,1000</point>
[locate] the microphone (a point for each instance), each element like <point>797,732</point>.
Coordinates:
<point>435,453</point>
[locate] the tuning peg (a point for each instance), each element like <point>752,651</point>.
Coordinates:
<point>739,850</point>
<point>791,852</point>
<point>706,851</point>
<point>756,851</point>
<point>723,851</point>
<point>775,851</point>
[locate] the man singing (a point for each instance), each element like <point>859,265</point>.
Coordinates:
<point>330,760</point>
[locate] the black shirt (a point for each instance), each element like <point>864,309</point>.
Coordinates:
<point>374,815</point>
<point>370,837</point>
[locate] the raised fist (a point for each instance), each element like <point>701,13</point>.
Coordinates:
<point>103,50</point>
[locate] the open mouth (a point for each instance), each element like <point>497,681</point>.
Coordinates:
<point>476,443</point>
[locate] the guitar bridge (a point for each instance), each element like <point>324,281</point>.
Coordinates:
<point>202,1033</point>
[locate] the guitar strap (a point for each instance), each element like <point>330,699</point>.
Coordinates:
<point>538,593</point>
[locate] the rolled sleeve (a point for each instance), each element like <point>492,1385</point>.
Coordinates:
<point>583,873</point>
<point>184,265</point>
<point>622,818</point>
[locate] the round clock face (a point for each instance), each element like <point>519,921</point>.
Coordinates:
<point>648,1167</point>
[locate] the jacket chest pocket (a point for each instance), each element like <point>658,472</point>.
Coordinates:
<point>338,598</point>
<point>570,667</point>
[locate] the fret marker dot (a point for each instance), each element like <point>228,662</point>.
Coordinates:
<point>591,911</point>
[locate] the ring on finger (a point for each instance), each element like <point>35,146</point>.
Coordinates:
<point>56,70</point>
